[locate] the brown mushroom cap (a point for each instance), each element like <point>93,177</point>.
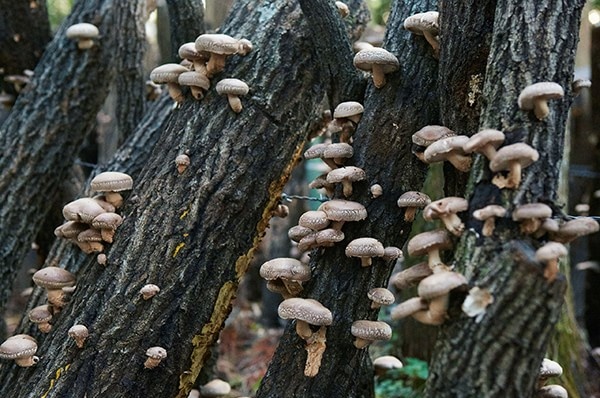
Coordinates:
<point>53,278</point>
<point>519,152</point>
<point>387,362</point>
<point>313,219</point>
<point>421,243</point>
<point>82,210</point>
<point>307,310</point>
<point>107,221</point>
<point>575,228</point>
<point>392,253</point>
<point>439,284</point>
<point>111,181</point>
<point>149,290</point>
<point>535,96</point>
<point>79,333</point>
<point>328,237</point>
<point>338,152</point>
<point>343,210</point>
<point>551,251</point>
<point>21,348</point>
<point>430,134</point>
<point>84,33</point>
<point>188,51</point>
<point>286,268</point>
<point>368,331</point>
<point>365,249</point>
<point>410,276</point>
<point>70,229</point>
<point>450,149</point>
<point>298,232</point>
<point>349,110</point>
<point>425,24</point>
<point>380,296</point>
<point>215,388</point>
<point>167,73</point>
<point>485,142</point>
<point>346,175</point>
<point>216,43</point>
<point>39,314</point>
<point>446,209</point>
<point>197,82</point>
<point>233,88</point>
<point>412,200</point>
<point>377,60</point>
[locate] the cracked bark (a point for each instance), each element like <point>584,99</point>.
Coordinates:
<point>500,356</point>
<point>392,114</point>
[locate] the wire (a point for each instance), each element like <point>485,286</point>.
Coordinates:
<point>289,198</point>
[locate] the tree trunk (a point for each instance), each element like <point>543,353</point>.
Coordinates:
<point>500,356</point>
<point>192,234</point>
<point>382,144</point>
<point>50,119</point>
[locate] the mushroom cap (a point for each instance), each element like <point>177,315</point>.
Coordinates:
<point>421,22</point>
<point>286,268</point>
<point>519,152</point>
<point>53,278</point>
<point>82,30</point>
<point>551,251</point>
<point>328,236</point>
<point>371,330</point>
<point>70,229</point>
<point>343,210</point>
<point>82,210</point>
<point>408,307</point>
<point>16,347</point>
<point>483,138</point>
<point>40,314</point>
<point>298,232</point>
<point>439,284</point>
<point>215,388</point>
<point>316,151</point>
<point>337,150</point>
<point>430,134</point>
<point>440,150</point>
<point>575,228</point>
<point>107,221</point>
<point>232,87</point>
<point>391,253</point>
<point>167,73</point>
<point>79,331</point>
<point>489,211</point>
<point>111,181</point>
<point>193,78</point>
<point>381,295</point>
<point>307,310</point>
<point>531,210</point>
<point>364,247</point>
<point>542,90</point>
<point>90,235</point>
<point>150,289</point>
<point>413,199</point>
<point>313,219</point>
<point>552,391</point>
<point>444,206</point>
<point>156,352</point>
<point>387,362</point>
<point>348,109</point>
<point>216,43</point>
<point>348,173</point>
<point>550,368</point>
<point>182,160</point>
<point>365,59</point>
<point>421,243</point>
<point>188,51</point>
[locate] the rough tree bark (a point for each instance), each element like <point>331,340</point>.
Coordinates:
<point>500,356</point>
<point>382,144</point>
<point>51,118</point>
<point>192,234</point>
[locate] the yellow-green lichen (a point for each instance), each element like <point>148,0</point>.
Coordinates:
<point>53,381</point>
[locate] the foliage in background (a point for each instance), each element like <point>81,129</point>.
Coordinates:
<point>57,11</point>
<point>595,3</point>
<point>380,10</point>
<point>406,382</point>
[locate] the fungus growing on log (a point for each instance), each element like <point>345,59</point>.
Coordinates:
<point>84,33</point>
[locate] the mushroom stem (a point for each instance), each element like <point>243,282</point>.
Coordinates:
<point>215,64</point>
<point>435,262</point>
<point>294,288</point>
<point>197,92</point>
<point>27,361</point>
<point>378,76</point>
<point>488,151</point>
<point>303,329</point>
<point>453,224</point>
<point>175,93</point>
<point>315,347</point>
<point>540,108</point>
<point>366,261</point>
<point>551,270</point>
<point>488,226</point>
<point>56,297</point>
<point>530,225</point>
<point>85,44</point>
<point>409,214</point>
<point>436,313</point>
<point>361,343</point>
<point>514,175</point>
<point>460,162</point>
<point>44,327</point>
<point>347,189</point>
<point>235,103</point>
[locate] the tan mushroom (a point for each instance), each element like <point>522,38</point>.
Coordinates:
<point>196,81</point>
<point>550,254</point>
<point>488,215</point>
<point>575,228</point>
<point>220,46</point>
<point>290,271</point>
<point>435,290</point>
<point>425,24</point>
<point>365,249</point>
<point>427,136</point>
<point>79,333</point>
<point>366,332</point>
<point>512,158</point>
<point>340,211</point>
<point>107,223</point>
<point>380,296</point>
<point>485,142</point>
<point>346,176</point>
<point>21,348</point>
<point>531,216</point>
<point>338,152</point>
<point>110,183</point>
<point>411,276</point>
<point>450,149</point>
<point>182,161</point>
<point>198,58</point>
<point>412,201</point>
<point>41,316</point>
<point>446,209</point>
<point>535,97</point>
<point>149,290</point>
<point>84,33</point>
<point>53,279</point>
<point>169,74</point>
<point>233,89</point>
<point>548,369</point>
<point>82,210</point>
<point>378,61</point>
<point>408,307</point>
<point>155,356</point>
<point>430,243</point>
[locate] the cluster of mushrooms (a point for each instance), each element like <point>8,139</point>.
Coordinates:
<point>201,61</point>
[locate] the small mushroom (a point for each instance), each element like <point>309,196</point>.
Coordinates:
<point>337,153</point>
<point>169,74</point>
<point>198,58</point>
<point>233,88</point>
<point>476,303</point>
<point>411,276</point>
<point>82,210</point>
<point>450,149</point>
<point>412,201</point>
<point>409,307</point>
<point>425,24</point>
<point>101,259</point>
<point>79,333</point>
<point>378,61</point>
<point>182,161</point>
<point>290,271</point>
<point>41,316</point>
<point>435,290</point>
<point>380,296</point>
<point>427,136</point>
<point>340,211</point>
<point>552,391</point>
<point>548,369</point>
<point>384,363</point>
<point>342,9</point>
<point>313,219</point>
<point>376,191</point>
<point>215,388</point>
<point>367,332</point>
<point>346,176</point>
<point>580,84</point>
<point>365,249</point>
<point>549,254</point>
<point>196,81</point>
<point>488,215</point>
<point>530,216</point>
<point>155,355</point>
<point>485,142</point>
<point>111,183</point>
<point>220,46</point>
<point>107,223</point>
<point>84,33</point>
<point>21,348</point>
<point>513,158</point>
<point>90,241</point>
<point>535,97</point>
<point>446,209</point>
<point>575,228</point>
<point>430,243</point>
<point>53,279</point>
<point>148,291</point>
